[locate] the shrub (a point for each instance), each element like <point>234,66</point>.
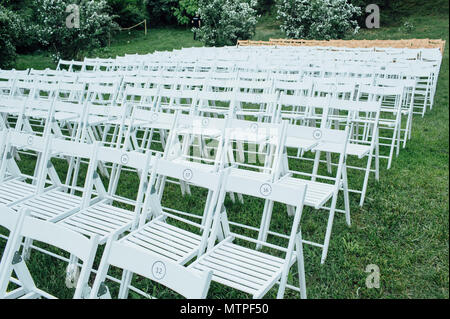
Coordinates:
<point>21,12</point>
<point>317,19</point>
<point>68,43</point>
<point>226,21</point>
<point>15,4</point>
<point>407,27</point>
<point>8,36</point>
<point>161,11</point>
<point>185,11</point>
<point>264,6</point>
<point>128,12</point>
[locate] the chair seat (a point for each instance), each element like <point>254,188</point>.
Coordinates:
<point>52,205</point>
<point>161,238</point>
<point>204,132</point>
<point>127,122</point>
<point>358,150</point>
<point>14,191</point>
<point>259,136</point>
<point>59,116</point>
<point>9,110</point>
<point>241,268</point>
<point>393,110</point>
<point>96,120</point>
<point>99,219</point>
<point>328,147</point>
<point>317,193</point>
<point>302,143</point>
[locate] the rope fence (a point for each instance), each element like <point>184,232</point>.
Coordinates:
<point>136,25</point>
<point>129,28</point>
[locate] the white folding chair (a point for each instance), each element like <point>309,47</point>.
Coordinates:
<point>173,234</point>
<point>100,213</point>
<point>364,136</point>
<point>321,188</point>
<point>14,187</point>
<point>236,265</point>
<point>390,118</point>
<point>60,199</point>
<point>54,235</point>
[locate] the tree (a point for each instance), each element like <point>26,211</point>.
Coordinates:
<point>8,37</point>
<point>68,42</point>
<point>317,19</point>
<point>185,11</point>
<point>161,12</point>
<point>226,21</point>
<point>128,12</point>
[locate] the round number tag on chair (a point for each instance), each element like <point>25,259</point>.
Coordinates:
<point>154,117</point>
<point>265,189</point>
<point>317,134</point>
<point>124,159</point>
<point>159,270</point>
<point>187,174</point>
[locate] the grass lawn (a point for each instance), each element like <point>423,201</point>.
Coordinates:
<point>403,227</point>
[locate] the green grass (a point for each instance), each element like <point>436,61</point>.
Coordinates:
<point>158,39</point>
<point>404,225</point>
<point>268,27</point>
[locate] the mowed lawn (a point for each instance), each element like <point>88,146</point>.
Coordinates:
<point>403,227</point>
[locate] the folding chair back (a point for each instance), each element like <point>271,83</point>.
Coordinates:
<point>111,212</point>
<point>260,106</point>
<point>187,140</point>
<point>142,97</point>
<point>103,94</point>
<point>272,191</point>
<point>171,100</point>
<point>10,170</point>
<point>61,186</point>
<point>51,234</point>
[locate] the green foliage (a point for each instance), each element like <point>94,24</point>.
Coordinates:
<point>68,43</point>
<point>8,36</point>
<point>407,27</point>
<point>160,12</point>
<point>185,11</point>
<point>128,12</point>
<point>264,6</point>
<point>226,21</point>
<point>21,11</point>
<point>15,4</point>
<point>317,19</point>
